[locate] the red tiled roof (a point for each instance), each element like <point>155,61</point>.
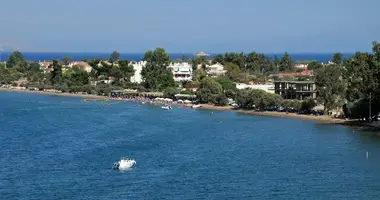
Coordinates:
<point>295,74</point>
<point>81,63</point>
<point>45,64</point>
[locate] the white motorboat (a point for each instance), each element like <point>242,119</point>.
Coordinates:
<point>166,107</point>
<point>124,164</point>
<point>196,106</point>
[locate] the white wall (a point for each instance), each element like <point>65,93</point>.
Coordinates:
<point>266,87</point>
<point>137,78</point>
<point>181,69</point>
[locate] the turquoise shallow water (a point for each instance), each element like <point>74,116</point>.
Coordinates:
<point>61,148</point>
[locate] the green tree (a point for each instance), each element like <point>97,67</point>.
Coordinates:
<point>67,60</point>
<point>199,75</point>
<point>286,63</point>
<point>363,75</point>
<point>221,100</point>
<point>126,69</point>
<point>7,75</point>
<point>308,104</point>
<point>209,90</point>
<point>253,98</point>
<point>331,86</point>
<point>314,65</point>
<point>56,76</point>
<point>253,62</point>
<point>155,74</point>
<point>34,67</point>
<point>276,63</point>
<point>233,72</point>
<point>34,73</point>
<point>337,58</point>
<point>199,61</point>
<point>114,57</point>
<point>16,60</point>
<point>259,63</point>
<point>226,83</point>
<point>218,59</point>
<point>77,77</point>
<point>170,92</point>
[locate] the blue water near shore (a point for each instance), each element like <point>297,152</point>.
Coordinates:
<point>38,56</point>
<point>62,148</point>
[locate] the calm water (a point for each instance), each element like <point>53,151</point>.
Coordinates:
<point>61,148</point>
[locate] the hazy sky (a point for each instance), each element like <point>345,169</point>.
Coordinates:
<point>190,25</point>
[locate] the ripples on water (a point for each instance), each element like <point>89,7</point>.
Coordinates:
<point>62,148</point>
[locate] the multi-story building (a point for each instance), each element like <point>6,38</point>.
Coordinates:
<point>298,85</point>
<point>181,71</point>
<point>295,89</point>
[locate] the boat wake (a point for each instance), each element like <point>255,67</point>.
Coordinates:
<point>124,164</point>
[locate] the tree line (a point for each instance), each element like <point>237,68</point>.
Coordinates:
<point>351,83</point>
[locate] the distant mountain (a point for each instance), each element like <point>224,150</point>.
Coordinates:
<point>7,48</point>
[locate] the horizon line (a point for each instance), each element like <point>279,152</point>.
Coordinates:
<point>213,53</point>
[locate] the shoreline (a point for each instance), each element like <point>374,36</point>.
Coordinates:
<point>318,119</point>
<point>89,96</point>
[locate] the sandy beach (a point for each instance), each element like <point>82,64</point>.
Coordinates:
<point>88,96</point>
<point>321,119</point>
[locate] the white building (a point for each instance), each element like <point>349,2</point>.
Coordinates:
<point>215,70</point>
<point>181,71</point>
<point>83,65</point>
<point>301,66</point>
<point>137,66</point>
<point>266,87</point>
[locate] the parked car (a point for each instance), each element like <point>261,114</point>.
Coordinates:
<point>376,118</point>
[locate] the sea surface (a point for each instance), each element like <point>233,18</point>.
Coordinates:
<point>63,148</point>
<point>41,56</point>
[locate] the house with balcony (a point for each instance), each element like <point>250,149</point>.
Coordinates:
<point>298,85</point>
<point>295,89</point>
<point>181,71</point>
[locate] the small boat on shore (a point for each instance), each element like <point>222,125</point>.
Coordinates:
<point>196,106</point>
<point>166,107</point>
<point>124,164</point>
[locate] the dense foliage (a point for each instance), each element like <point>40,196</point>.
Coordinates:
<point>352,83</point>
<point>155,74</point>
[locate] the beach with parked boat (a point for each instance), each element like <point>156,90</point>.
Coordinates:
<point>187,101</point>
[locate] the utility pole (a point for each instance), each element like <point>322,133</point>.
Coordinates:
<point>370,104</point>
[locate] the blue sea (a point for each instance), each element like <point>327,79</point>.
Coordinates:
<point>55,147</point>
<point>38,56</point>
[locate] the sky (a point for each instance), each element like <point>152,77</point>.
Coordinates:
<point>186,26</point>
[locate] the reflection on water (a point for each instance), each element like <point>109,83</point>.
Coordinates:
<point>62,148</point>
